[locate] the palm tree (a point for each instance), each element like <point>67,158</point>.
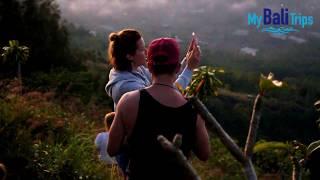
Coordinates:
<point>312,155</point>
<point>17,53</point>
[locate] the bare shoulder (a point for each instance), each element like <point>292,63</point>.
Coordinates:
<point>129,100</point>
<point>128,103</point>
<point>127,109</point>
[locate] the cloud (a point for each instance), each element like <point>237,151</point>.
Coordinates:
<point>103,7</point>
<point>244,5</point>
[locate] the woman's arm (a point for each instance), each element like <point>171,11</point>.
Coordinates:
<point>192,61</point>
<point>117,130</point>
<point>124,121</point>
<point>184,78</point>
<point>202,145</point>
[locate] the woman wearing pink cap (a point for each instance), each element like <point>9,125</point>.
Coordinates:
<point>142,115</point>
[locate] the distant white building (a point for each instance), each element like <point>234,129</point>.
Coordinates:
<point>297,39</point>
<point>241,32</point>
<point>178,39</point>
<point>93,33</point>
<point>315,34</point>
<point>282,37</point>
<point>243,5</point>
<point>107,27</point>
<point>249,51</point>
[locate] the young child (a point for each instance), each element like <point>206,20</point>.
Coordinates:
<point>101,141</point>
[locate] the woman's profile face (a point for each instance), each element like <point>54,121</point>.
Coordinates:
<point>139,58</point>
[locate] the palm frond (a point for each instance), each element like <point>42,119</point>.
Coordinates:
<point>273,145</point>
<point>313,146</point>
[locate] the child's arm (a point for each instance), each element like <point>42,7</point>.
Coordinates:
<point>97,143</point>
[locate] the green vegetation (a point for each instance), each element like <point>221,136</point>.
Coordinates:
<point>41,139</point>
<point>221,164</point>
<point>204,83</point>
<point>37,25</point>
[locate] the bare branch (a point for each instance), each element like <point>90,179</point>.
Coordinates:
<point>234,149</point>
<point>180,158</point>
<point>253,128</point>
<point>214,125</point>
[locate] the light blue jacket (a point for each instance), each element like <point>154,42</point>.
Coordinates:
<point>121,82</point>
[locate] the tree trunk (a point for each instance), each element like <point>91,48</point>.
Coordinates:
<point>19,75</point>
<point>253,128</point>
<point>296,169</point>
<point>249,170</point>
<point>234,149</point>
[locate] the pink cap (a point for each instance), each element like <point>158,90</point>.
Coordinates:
<point>167,48</point>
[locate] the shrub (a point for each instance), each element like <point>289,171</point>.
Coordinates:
<point>39,140</point>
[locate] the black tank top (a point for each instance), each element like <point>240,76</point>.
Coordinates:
<point>145,153</point>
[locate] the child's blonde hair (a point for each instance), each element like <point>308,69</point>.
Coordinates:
<point>108,119</point>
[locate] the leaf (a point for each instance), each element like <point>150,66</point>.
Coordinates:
<point>220,71</point>
<point>196,70</point>
<point>13,43</point>
<point>277,83</point>
<point>273,145</point>
<point>313,146</point>
<point>270,76</point>
<point>6,48</point>
<point>204,82</point>
<point>318,123</point>
<point>268,83</point>
<point>317,105</point>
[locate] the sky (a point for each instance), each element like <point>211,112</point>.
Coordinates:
<point>95,10</point>
<point>102,8</point>
<point>213,20</point>
<point>99,12</point>
<point>105,7</point>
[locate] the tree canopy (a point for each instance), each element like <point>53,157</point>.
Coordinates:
<point>38,25</point>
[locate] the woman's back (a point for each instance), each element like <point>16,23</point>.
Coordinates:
<point>154,118</point>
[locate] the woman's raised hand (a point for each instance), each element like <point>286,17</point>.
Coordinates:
<point>193,54</point>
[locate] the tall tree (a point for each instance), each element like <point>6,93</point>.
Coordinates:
<point>17,53</point>
<point>37,24</point>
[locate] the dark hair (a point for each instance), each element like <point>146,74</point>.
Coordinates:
<point>108,119</point>
<point>159,69</point>
<point>120,44</point>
